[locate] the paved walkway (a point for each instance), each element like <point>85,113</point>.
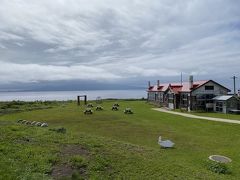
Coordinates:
<point>198,117</point>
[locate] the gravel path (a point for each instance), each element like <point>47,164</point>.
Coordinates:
<point>198,117</point>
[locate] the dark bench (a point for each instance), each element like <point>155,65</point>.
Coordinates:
<point>234,111</point>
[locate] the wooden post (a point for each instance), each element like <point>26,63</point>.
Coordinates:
<point>85,100</point>
<point>78,100</point>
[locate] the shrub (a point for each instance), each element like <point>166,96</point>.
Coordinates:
<point>77,176</point>
<point>100,164</point>
<point>59,130</point>
<point>78,161</point>
<point>219,168</point>
<point>183,109</point>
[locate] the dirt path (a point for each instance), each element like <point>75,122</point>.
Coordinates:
<point>198,117</point>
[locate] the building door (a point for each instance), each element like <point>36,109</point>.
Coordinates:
<point>171,101</point>
<point>219,106</point>
<point>177,101</point>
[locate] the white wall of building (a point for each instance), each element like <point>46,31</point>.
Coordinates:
<point>218,90</point>
<point>151,96</point>
<point>170,105</point>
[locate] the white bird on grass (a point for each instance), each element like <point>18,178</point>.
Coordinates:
<point>166,143</point>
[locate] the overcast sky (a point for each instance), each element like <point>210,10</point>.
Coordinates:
<point>111,41</point>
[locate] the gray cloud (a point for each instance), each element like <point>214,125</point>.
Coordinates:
<point>107,40</point>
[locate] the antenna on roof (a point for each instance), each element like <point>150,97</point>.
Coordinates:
<point>181,79</point>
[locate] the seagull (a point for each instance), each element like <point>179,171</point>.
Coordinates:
<point>166,143</point>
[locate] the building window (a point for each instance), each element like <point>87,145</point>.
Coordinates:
<point>170,101</point>
<point>170,98</point>
<point>209,96</point>
<point>209,87</point>
<point>161,97</point>
<point>184,96</point>
<point>151,96</point>
<point>184,100</point>
<point>219,106</point>
<point>200,97</point>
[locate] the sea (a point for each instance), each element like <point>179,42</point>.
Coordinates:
<point>72,95</point>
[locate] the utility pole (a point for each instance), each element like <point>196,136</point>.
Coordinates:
<point>234,84</point>
<point>181,79</point>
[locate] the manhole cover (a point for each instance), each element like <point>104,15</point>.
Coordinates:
<point>220,159</point>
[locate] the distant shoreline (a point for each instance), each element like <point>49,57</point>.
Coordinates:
<point>107,99</point>
<point>71,95</point>
<point>6,91</point>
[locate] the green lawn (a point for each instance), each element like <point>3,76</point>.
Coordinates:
<point>213,114</point>
<point>219,115</point>
<point>113,145</point>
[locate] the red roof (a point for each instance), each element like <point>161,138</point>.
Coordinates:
<point>162,87</point>
<point>176,87</point>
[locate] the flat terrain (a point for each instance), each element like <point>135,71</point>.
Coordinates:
<point>193,116</point>
<point>219,115</point>
<point>213,114</point>
<point>109,145</point>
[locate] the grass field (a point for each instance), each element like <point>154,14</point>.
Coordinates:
<point>113,145</point>
<point>213,114</point>
<point>219,115</point>
<point>20,106</point>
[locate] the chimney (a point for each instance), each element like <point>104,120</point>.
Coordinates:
<point>158,83</point>
<point>191,82</point>
<point>149,84</point>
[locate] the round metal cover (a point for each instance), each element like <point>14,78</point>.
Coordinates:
<point>220,159</point>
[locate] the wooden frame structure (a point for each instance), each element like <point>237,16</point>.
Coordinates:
<point>79,98</point>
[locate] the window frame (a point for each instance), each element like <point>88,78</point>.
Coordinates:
<point>209,88</point>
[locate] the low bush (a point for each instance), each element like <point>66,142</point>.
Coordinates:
<point>183,110</point>
<point>101,164</point>
<point>59,130</point>
<point>219,168</point>
<point>77,176</point>
<point>78,161</point>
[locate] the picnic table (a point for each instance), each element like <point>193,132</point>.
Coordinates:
<point>128,111</point>
<point>116,104</point>
<point>115,108</point>
<point>99,108</point>
<point>88,111</point>
<point>89,105</point>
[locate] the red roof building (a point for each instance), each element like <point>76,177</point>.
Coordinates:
<point>190,95</point>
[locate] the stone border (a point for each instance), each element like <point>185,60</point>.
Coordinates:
<point>222,159</point>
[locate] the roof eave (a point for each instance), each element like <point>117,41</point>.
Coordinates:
<point>213,82</point>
